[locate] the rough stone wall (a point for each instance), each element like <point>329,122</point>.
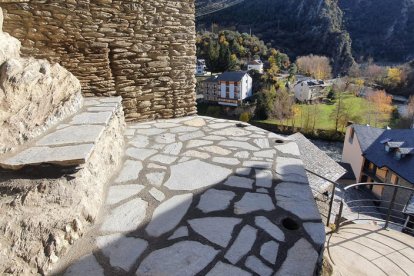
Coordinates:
<point>142,50</point>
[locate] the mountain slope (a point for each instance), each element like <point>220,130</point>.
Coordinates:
<point>297,27</point>
<point>382,29</point>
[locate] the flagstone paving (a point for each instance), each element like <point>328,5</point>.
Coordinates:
<point>204,196</point>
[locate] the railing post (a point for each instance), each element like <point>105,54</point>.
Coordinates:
<point>391,206</point>
<point>330,205</point>
<point>338,216</point>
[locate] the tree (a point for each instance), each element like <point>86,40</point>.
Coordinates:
<point>340,113</point>
<point>281,108</point>
<point>293,69</point>
<point>316,66</point>
<point>394,76</point>
<point>410,110</point>
<point>381,106</point>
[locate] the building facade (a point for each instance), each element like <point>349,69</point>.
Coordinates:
<point>200,67</point>
<point>310,90</point>
<point>228,88</point>
<point>255,65</point>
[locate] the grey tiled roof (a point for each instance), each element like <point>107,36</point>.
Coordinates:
<point>231,76</point>
<point>372,145</point>
<point>367,135</point>
<point>318,162</point>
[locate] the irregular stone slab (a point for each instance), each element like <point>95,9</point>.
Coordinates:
<point>231,131</point>
<point>265,153</point>
<point>121,251</point>
<point>150,131</point>
<point>140,126</point>
<point>165,138</point>
<point>218,230</point>
<point>242,245</point>
<point>184,159</point>
<point>220,125</point>
<point>179,233</point>
<point>180,129</point>
<point>91,118</point>
<point>126,217</point>
<point>121,192</point>
<point>140,154</point>
<point>181,259</point>
<point>262,143</point>
<point>241,145</point>
<point>290,169</point>
<point>87,265</point>
<point>130,171</point>
<point>157,194</point>
<point>301,253</point>
<point>258,266</point>
<point>243,171</point>
<point>173,149</point>
<point>239,182</point>
<point>262,191</point>
<point>221,269</point>
<point>257,164</point>
<point>73,135</point>
<point>316,231</point>
<point>155,178</point>
<point>165,125</point>
<point>62,156</point>
<point>252,202</point>
<point>270,228</point>
<point>242,154</point>
<point>129,132</point>
<point>297,199</point>
<point>243,139</point>
<point>168,214</point>
<point>264,178</point>
<point>216,150</point>
<point>225,160</point>
<point>269,251</point>
<point>156,166</point>
<point>198,143</point>
<point>90,102</point>
<point>214,138</point>
<point>164,159</point>
<point>289,148</point>
<point>215,200</point>
<point>196,122</point>
<point>99,108</point>
<point>194,175</point>
<point>139,141</point>
<point>191,135</point>
<point>197,154</point>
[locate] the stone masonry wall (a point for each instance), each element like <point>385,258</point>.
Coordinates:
<point>142,50</point>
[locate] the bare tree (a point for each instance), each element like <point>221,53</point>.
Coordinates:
<point>316,66</point>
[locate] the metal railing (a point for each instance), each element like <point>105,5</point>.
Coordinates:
<point>370,209</point>
<point>387,211</point>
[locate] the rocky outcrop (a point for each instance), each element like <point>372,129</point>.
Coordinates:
<point>143,51</point>
<point>34,94</point>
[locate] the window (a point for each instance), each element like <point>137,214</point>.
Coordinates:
<point>394,179</point>
<point>382,174</point>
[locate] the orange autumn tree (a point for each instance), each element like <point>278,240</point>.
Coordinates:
<point>380,107</point>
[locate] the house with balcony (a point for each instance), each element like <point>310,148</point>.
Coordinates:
<point>382,156</point>
<point>200,67</point>
<point>228,88</point>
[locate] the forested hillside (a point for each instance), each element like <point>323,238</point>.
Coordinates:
<point>381,29</point>
<point>296,27</point>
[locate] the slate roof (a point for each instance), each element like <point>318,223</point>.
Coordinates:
<point>318,162</point>
<point>372,141</point>
<point>231,76</point>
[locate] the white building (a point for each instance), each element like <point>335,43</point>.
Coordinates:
<point>229,88</point>
<point>201,67</point>
<point>255,65</point>
<point>309,90</point>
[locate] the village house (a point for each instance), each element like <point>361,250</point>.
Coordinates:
<point>200,67</point>
<point>256,64</point>
<point>308,91</point>
<point>382,156</point>
<point>228,88</point>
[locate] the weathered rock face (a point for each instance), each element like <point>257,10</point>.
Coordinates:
<point>143,51</point>
<point>33,94</point>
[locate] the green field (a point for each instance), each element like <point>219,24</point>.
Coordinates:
<point>320,116</point>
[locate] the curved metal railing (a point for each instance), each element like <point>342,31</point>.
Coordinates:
<point>384,211</point>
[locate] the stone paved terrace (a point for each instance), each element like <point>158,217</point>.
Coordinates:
<point>203,196</point>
